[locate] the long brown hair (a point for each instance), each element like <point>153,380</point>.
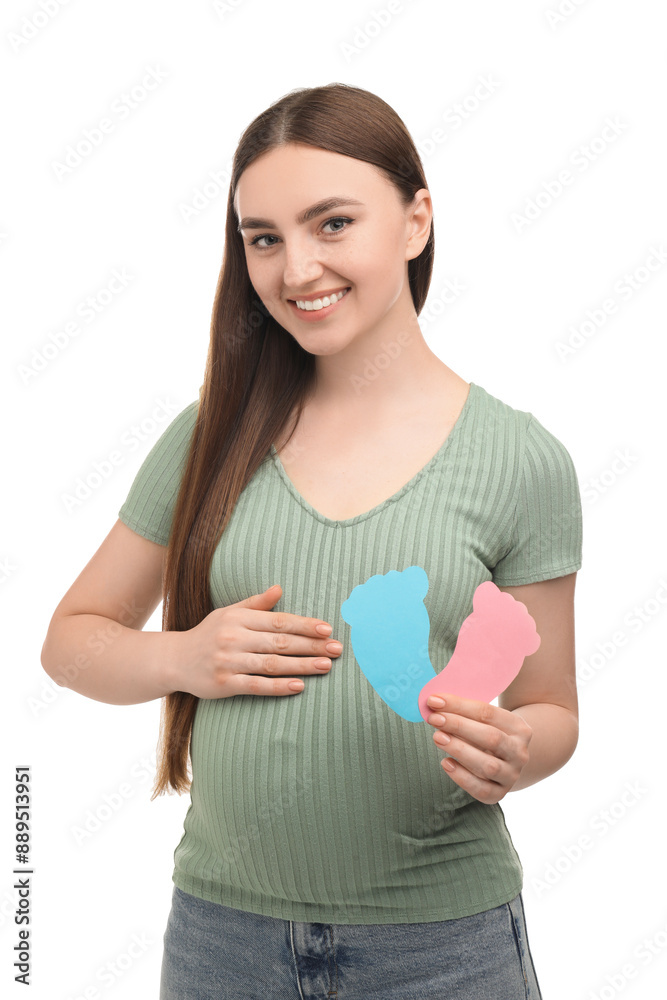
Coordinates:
<point>256,373</point>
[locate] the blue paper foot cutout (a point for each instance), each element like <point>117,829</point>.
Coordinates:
<point>390,632</point>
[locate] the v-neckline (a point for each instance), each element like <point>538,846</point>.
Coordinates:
<point>344,522</point>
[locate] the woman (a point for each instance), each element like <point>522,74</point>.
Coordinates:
<point>326,851</point>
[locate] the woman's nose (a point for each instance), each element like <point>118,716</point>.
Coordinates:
<point>301,264</point>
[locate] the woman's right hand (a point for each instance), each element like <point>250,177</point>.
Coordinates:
<point>245,648</point>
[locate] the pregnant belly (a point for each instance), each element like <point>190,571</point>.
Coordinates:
<point>302,786</point>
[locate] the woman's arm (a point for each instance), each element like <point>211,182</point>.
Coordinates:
<point>94,644</point>
<point>534,729</point>
<point>544,693</point>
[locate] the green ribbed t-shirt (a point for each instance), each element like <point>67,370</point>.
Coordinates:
<point>327,805</point>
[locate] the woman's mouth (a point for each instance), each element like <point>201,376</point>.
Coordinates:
<point>317,308</point>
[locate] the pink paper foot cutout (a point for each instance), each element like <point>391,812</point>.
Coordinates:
<point>491,646</point>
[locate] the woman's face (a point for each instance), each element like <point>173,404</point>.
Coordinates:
<point>362,243</point>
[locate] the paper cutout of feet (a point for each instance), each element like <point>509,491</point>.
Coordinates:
<point>490,649</point>
<point>390,630</point>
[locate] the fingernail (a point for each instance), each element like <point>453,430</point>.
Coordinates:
<point>323,629</point>
<point>437,702</point>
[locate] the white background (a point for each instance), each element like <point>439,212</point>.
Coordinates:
<point>557,80</point>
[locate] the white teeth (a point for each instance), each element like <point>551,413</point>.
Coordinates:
<point>321,303</point>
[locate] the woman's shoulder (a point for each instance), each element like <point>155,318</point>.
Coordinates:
<point>517,438</point>
<point>172,444</point>
<point>502,411</point>
<point>497,407</point>
<point>184,420</point>
<point>494,420</point>
<point>502,425</point>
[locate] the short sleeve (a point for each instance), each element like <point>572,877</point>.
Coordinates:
<point>547,532</point>
<point>149,505</point>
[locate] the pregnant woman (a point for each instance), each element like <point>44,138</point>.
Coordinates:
<point>333,470</point>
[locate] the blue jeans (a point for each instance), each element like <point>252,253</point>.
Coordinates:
<point>214,952</point>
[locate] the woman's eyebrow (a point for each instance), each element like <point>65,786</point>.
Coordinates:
<point>336,201</point>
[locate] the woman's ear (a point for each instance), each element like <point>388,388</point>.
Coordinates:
<point>419,219</point>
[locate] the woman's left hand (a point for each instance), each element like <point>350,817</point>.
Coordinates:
<point>489,744</point>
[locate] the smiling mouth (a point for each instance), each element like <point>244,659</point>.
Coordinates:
<point>314,305</point>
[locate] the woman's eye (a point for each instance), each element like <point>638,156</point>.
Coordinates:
<point>338,219</point>
<point>255,241</point>
<point>267,236</point>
